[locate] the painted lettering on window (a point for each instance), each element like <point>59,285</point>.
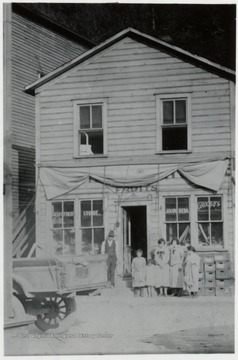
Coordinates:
<point>205,204</point>
<point>91,213</point>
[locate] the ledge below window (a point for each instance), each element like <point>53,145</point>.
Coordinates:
<point>91,157</point>
<point>171,152</point>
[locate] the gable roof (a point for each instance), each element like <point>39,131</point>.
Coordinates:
<point>143,38</point>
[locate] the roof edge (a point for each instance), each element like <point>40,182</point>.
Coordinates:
<point>51,24</point>
<point>147,39</point>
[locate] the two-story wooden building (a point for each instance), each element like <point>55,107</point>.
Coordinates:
<point>135,135</point>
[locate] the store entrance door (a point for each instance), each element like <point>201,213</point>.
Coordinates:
<point>134,234</point>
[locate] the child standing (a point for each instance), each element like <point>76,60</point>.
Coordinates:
<point>191,271</point>
<point>139,273</point>
<point>150,278</point>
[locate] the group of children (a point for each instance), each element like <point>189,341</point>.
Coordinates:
<point>170,271</point>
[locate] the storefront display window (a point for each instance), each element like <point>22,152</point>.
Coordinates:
<point>177,217</point>
<point>63,228</point>
<point>210,222</point>
<point>92,226</point>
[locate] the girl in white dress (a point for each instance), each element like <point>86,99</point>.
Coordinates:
<point>139,273</point>
<point>176,268</point>
<point>161,257</point>
<point>191,271</point>
<point>150,278</point>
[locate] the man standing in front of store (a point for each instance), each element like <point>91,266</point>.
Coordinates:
<point>109,246</point>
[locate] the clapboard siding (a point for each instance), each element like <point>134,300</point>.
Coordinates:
<point>35,48</point>
<point>129,77</point>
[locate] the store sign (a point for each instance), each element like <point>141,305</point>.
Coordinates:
<point>64,213</point>
<point>149,188</point>
<point>205,204</point>
<point>174,211</point>
<point>91,213</point>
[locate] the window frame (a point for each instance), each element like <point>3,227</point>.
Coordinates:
<point>90,227</point>
<point>209,221</point>
<point>177,221</point>
<point>76,108</point>
<point>52,229</point>
<point>160,125</point>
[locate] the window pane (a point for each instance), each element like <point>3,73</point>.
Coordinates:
<point>217,234</point>
<point>98,239</point>
<point>183,209</point>
<point>57,214</point>
<point>97,116</point>
<point>86,213</point>
<point>96,140</point>
<point>69,239</point>
<point>180,111</point>
<point>171,232</point>
<point>69,214</point>
<point>87,241</point>
<point>203,234</point>
<point>174,138</point>
<point>84,117</point>
<point>184,234</point>
<point>58,242</point>
<point>97,213</point>
<point>168,112</point>
<point>170,209</point>
<point>216,206</point>
<point>203,208</point>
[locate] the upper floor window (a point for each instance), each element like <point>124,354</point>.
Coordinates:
<point>89,129</point>
<point>173,124</point>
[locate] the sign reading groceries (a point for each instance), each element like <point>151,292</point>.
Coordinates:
<point>205,204</point>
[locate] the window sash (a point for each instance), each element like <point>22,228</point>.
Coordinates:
<point>92,108</point>
<point>175,117</point>
<point>181,142</point>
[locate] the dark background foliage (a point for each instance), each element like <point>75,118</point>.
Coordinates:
<point>205,30</point>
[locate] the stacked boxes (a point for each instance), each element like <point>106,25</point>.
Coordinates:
<point>214,274</point>
<point>209,275</point>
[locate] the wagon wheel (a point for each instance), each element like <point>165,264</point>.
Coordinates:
<point>59,314</point>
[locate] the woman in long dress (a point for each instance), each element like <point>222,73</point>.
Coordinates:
<point>176,268</point>
<point>161,259</point>
<point>191,271</point>
<point>139,273</point>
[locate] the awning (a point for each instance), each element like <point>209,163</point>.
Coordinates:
<point>60,181</point>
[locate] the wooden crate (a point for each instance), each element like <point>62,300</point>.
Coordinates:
<point>210,275</point>
<point>210,291</point>
<point>210,268</point>
<point>221,283</point>
<point>220,265</point>
<point>211,283</point>
<point>221,274</point>
<point>222,291</point>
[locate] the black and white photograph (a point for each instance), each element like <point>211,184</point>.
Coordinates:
<point>119,178</point>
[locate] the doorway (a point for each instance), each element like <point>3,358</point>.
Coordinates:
<point>134,234</point>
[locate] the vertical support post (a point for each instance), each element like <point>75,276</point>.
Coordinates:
<point>7,158</point>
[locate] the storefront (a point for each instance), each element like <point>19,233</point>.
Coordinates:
<point>140,203</point>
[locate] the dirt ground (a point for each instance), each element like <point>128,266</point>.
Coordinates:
<point>118,323</point>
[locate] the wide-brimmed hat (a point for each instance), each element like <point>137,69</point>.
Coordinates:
<point>111,233</point>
